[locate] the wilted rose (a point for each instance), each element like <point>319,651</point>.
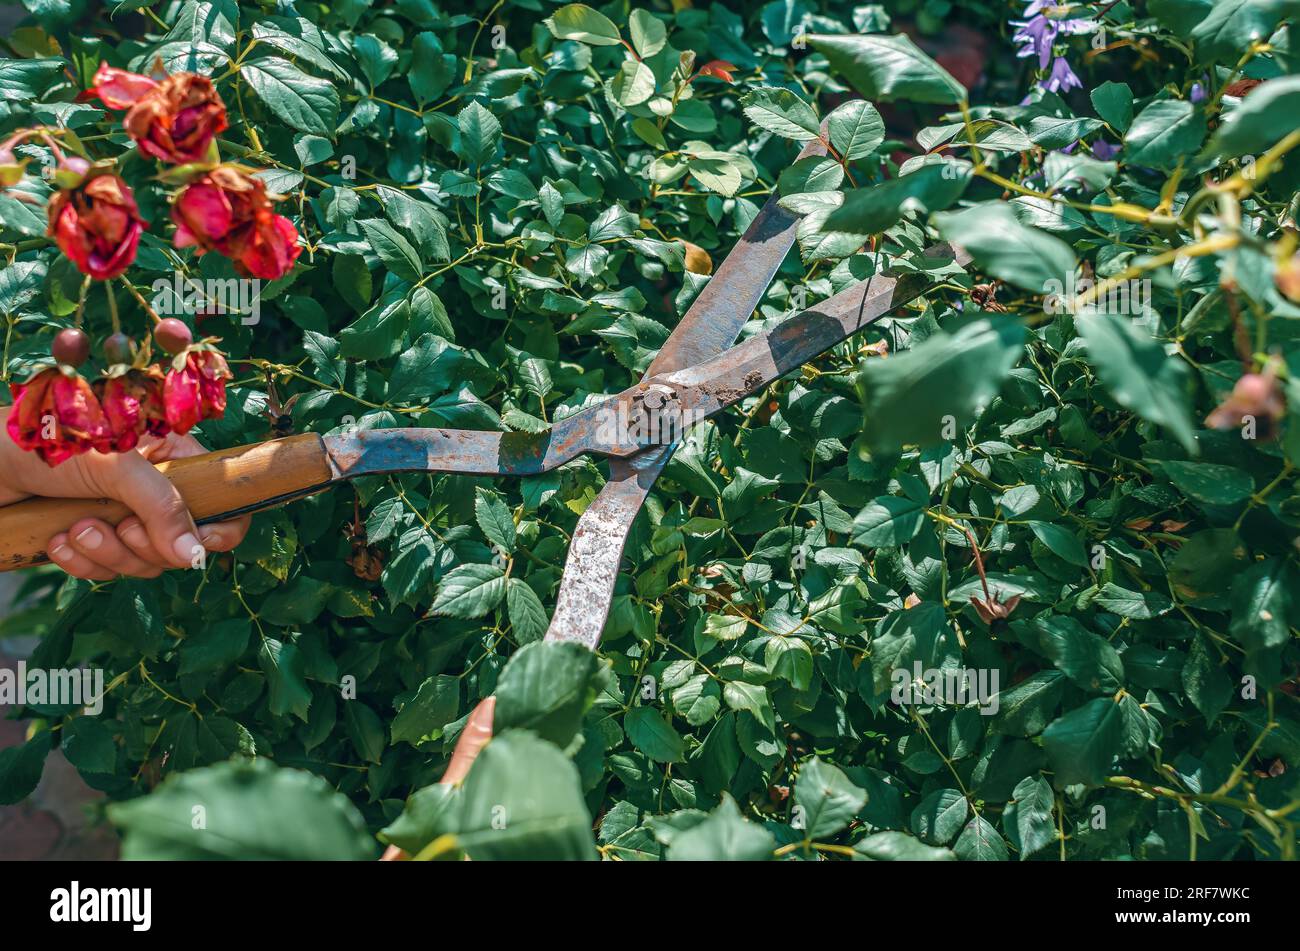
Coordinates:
<point>228,211</point>
<point>56,415</point>
<point>133,406</point>
<point>196,389</point>
<point>97,225</point>
<point>174,120</point>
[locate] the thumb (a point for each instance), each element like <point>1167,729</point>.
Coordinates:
<point>478,730</point>
<point>149,494</point>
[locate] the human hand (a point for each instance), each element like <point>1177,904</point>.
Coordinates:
<point>478,730</point>
<point>159,535</point>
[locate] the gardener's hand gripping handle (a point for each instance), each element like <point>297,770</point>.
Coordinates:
<point>214,485</point>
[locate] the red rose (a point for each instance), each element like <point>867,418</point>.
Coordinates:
<point>229,212</point>
<point>133,406</point>
<point>97,225</point>
<point>57,416</point>
<point>173,121</point>
<point>197,390</point>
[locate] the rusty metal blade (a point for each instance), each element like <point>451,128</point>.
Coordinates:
<point>473,452</point>
<point>704,389</point>
<point>710,325</point>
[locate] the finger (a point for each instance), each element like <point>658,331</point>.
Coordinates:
<point>393,854</point>
<point>73,562</point>
<point>223,536</point>
<point>131,532</point>
<point>100,544</point>
<point>167,521</point>
<point>478,730</point>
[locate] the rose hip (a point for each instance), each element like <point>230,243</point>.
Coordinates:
<point>117,348</point>
<point>71,347</point>
<point>172,335</point>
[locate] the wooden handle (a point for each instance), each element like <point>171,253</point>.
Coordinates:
<point>243,479</point>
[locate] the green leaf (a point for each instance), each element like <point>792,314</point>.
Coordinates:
<point>423,718</point>
<point>1086,658</point>
<point>242,809</point>
<point>432,70</point>
<point>1263,611</point>
<point>900,847</point>
<point>428,813</point>
<point>1140,605</point>
<point>577,21</point>
<point>88,744</point>
<point>925,396</point>
<point>1229,27</point>
<point>480,134</point>
<point>215,646</point>
<point>1082,744</point>
<point>395,251</point>
<point>523,800</point>
<point>1114,103</point>
<point>1139,374</point>
<point>302,102</point>
<point>547,687</point>
<point>649,35</point>
<point>890,520</point>
<point>939,815</point>
<point>1163,133</point>
<point>470,591</point>
<point>633,84</point>
<point>284,667</point>
<point>377,58</point>
<point>828,799</point>
<point>856,129</point>
<point>494,519</point>
<point>1007,249</point>
<point>1206,681</point>
<point>21,768</point>
<point>1209,483</point>
<point>1027,708</point>
<point>888,68</point>
<point>528,618</point>
<point>980,842</point>
<point>653,735</point>
<point>724,836</point>
<point>781,111</point>
<point>1062,542</point>
<point>1027,818</point>
<point>871,210</point>
<point>365,730</point>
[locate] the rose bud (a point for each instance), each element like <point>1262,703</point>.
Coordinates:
<point>97,225</point>
<point>1256,395</point>
<point>195,388</point>
<point>133,405</point>
<point>228,211</point>
<point>1287,278</point>
<point>174,121</point>
<point>12,168</point>
<point>57,416</point>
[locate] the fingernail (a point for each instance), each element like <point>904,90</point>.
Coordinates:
<point>60,553</point>
<point>90,537</point>
<point>135,537</point>
<point>186,547</point>
<point>211,537</point>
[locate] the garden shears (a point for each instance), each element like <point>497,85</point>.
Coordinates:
<point>697,373</point>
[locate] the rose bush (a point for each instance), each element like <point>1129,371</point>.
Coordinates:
<point>1069,469</point>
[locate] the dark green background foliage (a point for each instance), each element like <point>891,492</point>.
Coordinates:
<point>507,249</point>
